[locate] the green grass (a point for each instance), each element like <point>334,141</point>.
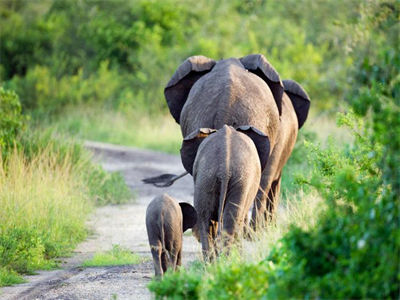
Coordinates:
<point>9,277</point>
<point>117,256</point>
<point>103,187</point>
<point>156,132</point>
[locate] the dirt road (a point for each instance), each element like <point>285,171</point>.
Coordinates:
<point>123,225</point>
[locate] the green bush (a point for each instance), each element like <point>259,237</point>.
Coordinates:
<point>9,277</point>
<point>353,251</point>
<point>11,120</point>
<point>184,284</point>
<point>23,250</point>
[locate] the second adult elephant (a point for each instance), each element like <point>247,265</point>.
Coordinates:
<point>245,91</point>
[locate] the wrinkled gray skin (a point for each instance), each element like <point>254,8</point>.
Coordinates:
<point>227,93</point>
<point>224,172</point>
<point>165,226</point>
<point>267,202</point>
<point>231,95</point>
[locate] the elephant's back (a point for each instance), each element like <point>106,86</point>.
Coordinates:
<point>163,211</point>
<point>228,152</point>
<point>231,96</point>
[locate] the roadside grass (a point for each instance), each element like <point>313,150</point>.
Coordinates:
<point>48,186</point>
<point>130,128</point>
<point>103,187</point>
<point>117,256</point>
<point>9,277</point>
<point>44,203</point>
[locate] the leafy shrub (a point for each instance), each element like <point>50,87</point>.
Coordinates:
<point>9,277</point>
<point>184,284</point>
<point>353,251</point>
<point>22,250</point>
<point>11,120</point>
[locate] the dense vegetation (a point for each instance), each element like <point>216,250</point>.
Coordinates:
<point>78,65</point>
<point>120,54</point>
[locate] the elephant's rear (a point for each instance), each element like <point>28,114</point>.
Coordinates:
<point>164,230</point>
<point>233,96</point>
<point>227,173</point>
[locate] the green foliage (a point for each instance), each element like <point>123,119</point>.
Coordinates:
<point>23,250</point>
<point>236,281</point>
<point>122,53</point>
<point>184,284</point>
<point>117,256</point>
<point>353,251</point>
<point>11,120</point>
<point>8,277</point>
<point>297,165</point>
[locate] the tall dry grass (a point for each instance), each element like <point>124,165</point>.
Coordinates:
<point>43,203</point>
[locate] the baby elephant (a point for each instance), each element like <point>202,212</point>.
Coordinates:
<point>226,165</point>
<point>166,220</point>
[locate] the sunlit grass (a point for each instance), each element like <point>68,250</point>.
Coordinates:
<point>157,132</point>
<point>117,256</point>
<point>44,202</point>
<point>324,126</point>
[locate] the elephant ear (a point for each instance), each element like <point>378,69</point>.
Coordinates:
<point>189,215</point>
<point>178,88</point>
<point>300,100</point>
<point>190,145</point>
<point>261,141</point>
<point>259,65</point>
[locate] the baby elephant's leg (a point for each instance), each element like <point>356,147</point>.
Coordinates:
<point>179,259</point>
<point>175,259</point>
<point>156,251</point>
<point>164,261</point>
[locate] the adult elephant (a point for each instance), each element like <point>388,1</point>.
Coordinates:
<point>204,93</point>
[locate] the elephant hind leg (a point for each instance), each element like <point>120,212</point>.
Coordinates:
<point>179,259</point>
<point>175,256</point>
<point>273,200</point>
<point>156,253</point>
<point>207,241</point>
<point>164,260</point>
<point>259,208</point>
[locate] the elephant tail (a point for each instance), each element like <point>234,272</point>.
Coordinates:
<point>222,197</point>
